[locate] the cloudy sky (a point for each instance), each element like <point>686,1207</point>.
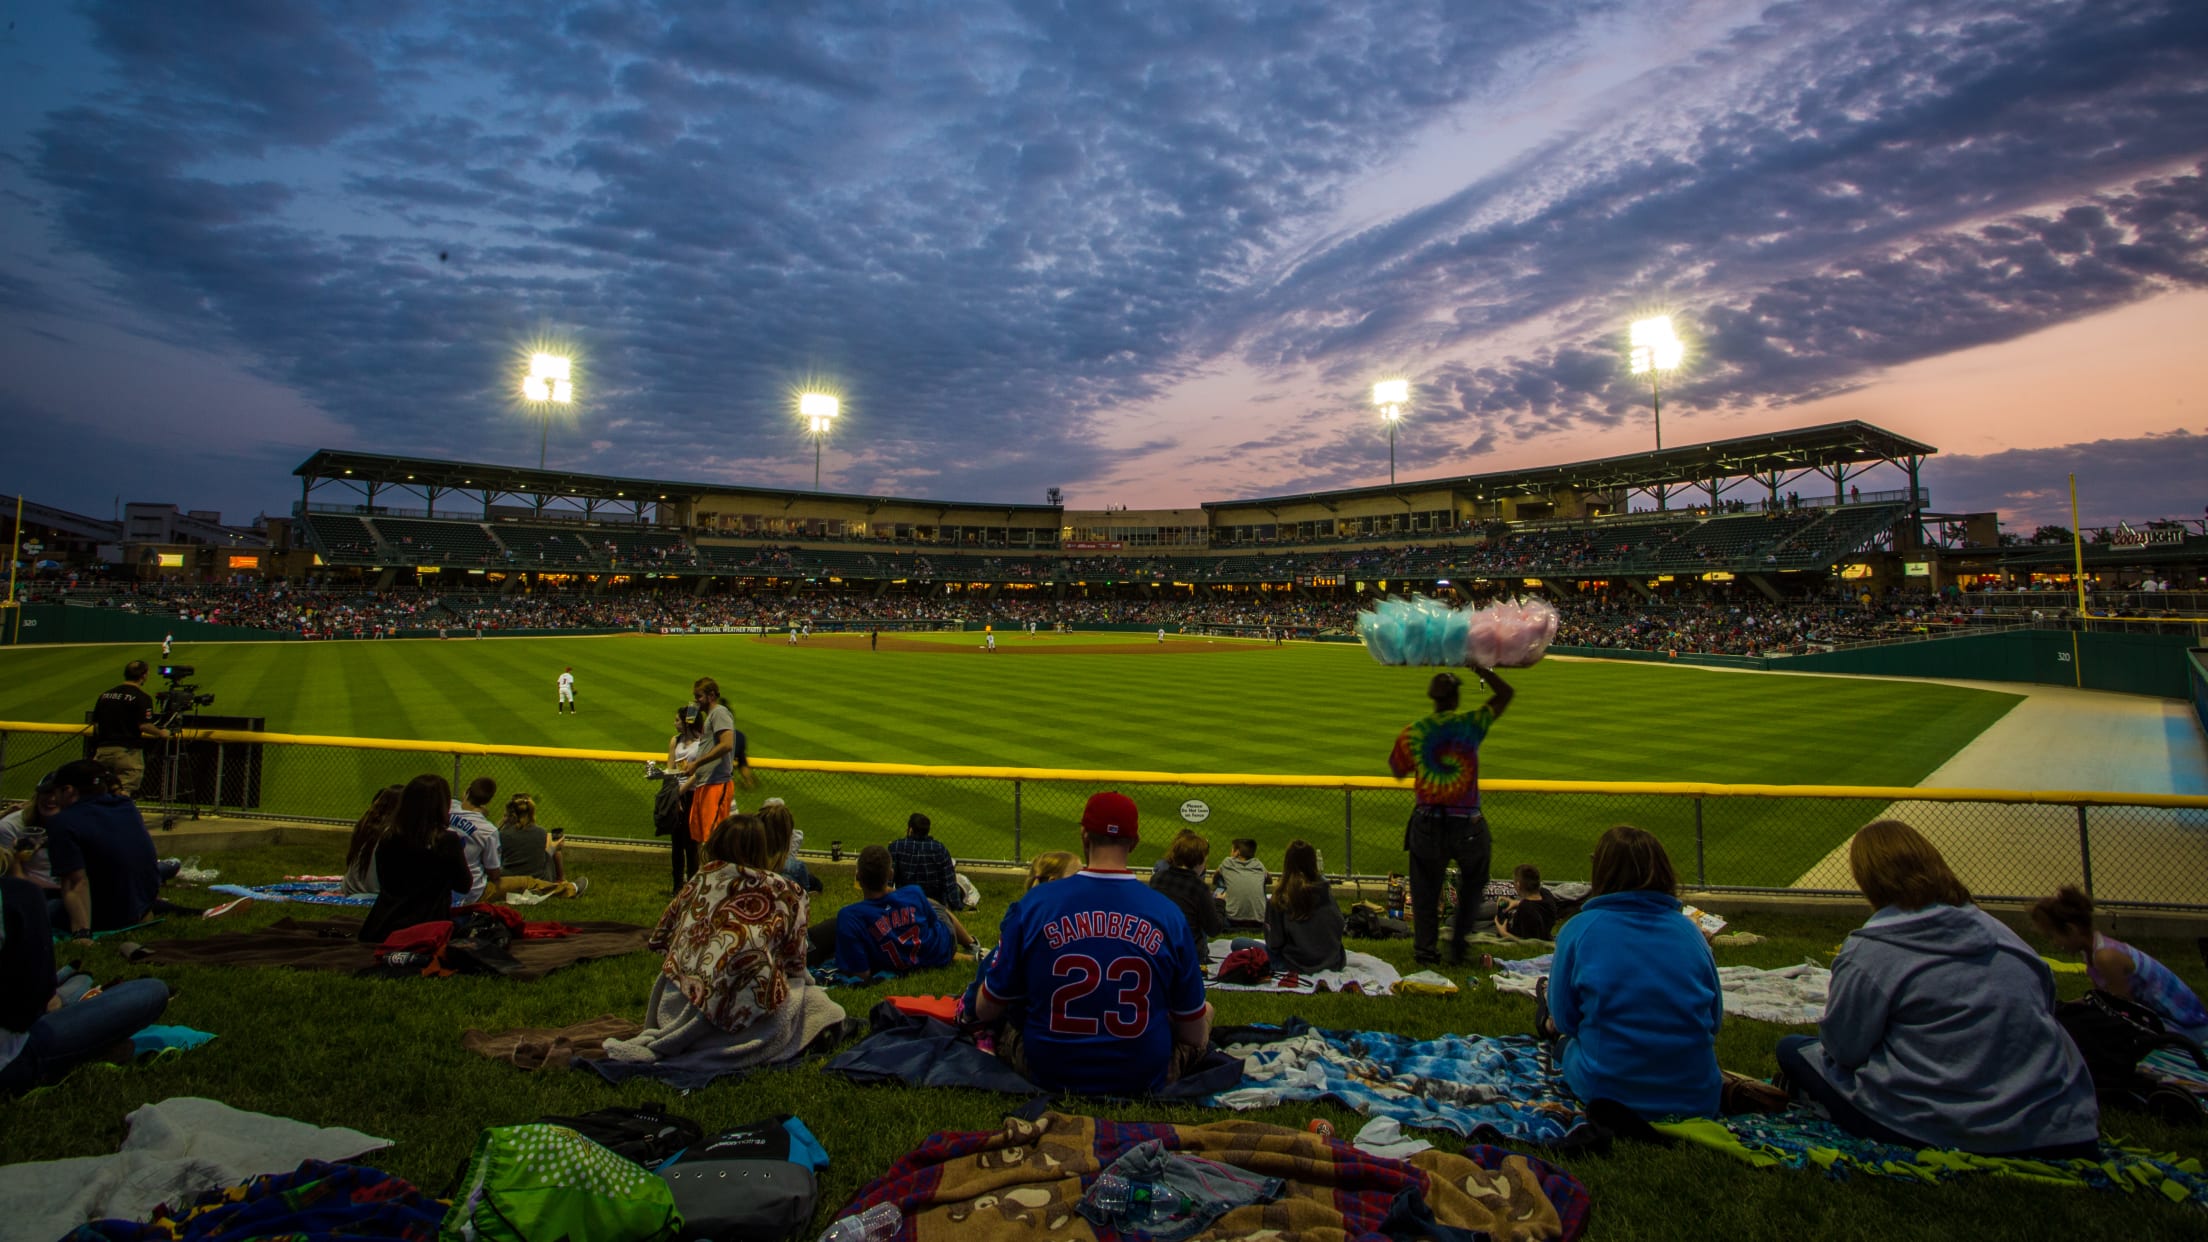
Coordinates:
<point>1152,253</point>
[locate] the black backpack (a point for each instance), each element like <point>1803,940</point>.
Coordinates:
<point>2114,1035</point>
<point>1369,922</point>
<point>671,808</point>
<point>647,1135</point>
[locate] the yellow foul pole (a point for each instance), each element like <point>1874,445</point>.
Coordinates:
<point>15,610</point>
<point>2077,560</point>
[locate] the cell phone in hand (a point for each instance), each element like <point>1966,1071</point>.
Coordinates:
<point>557,833</point>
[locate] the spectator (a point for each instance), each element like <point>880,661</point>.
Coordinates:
<point>734,940</point>
<point>41,1036</point>
<point>23,834</point>
<point>479,840</point>
<point>530,858</point>
<point>102,857</point>
<point>686,745</point>
<point>1106,970</point>
<point>2119,969</point>
<point>360,851</point>
<point>783,838</point>
<point>1303,926</point>
<point>923,861</point>
<point>421,864</point>
<point>1441,755</point>
<point>896,930</point>
<point>1530,915</point>
<point>1939,1030</point>
<point>1183,882</point>
<point>1633,991</point>
<point>1242,880</point>
<point>714,770</point>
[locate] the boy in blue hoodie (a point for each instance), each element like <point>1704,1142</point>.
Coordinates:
<point>1633,989</point>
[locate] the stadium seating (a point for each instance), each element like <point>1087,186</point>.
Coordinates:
<point>426,542</point>
<point>342,539</point>
<point>529,547</point>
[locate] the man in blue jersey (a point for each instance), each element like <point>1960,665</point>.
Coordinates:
<point>1105,967</point>
<point>893,929</point>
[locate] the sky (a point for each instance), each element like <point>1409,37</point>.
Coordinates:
<point>1152,254</point>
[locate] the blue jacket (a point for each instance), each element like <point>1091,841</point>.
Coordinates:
<point>1940,1025</point>
<point>1634,990</point>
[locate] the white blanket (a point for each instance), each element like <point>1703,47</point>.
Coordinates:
<point>1794,995</point>
<point>175,1150</point>
<point>1369,974</point>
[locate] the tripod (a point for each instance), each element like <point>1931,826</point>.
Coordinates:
<point>178,785</point>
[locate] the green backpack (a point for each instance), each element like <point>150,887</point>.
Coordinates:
<point>543,1183</point>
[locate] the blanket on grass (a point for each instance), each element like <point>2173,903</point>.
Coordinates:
<point>315,1200</point>
<point>2168,1065</point>
<point>1021,1184</point>
<point>1800,1139</point>
<point>175,1150</point>
<point>920,1051</point>
<point>1360,972</point>
<point>332,944</point>
<point>685,1051</point>
<point>1469,1085</point>
<point>310,892</point>
<point>1793,995</point>
<point>537,1048</point>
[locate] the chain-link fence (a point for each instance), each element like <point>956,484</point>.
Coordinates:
<point>2004,844</point>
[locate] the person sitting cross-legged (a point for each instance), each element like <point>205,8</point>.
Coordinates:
<point>920,859</point>
<point>529,857</point>
<point>41,1036</point>
<point>1183,881</point>
<point>421,865</point>
<point>1103,970</point>
<point>1939,1030</point>
<point>101,854</point>
<point>896,929</point>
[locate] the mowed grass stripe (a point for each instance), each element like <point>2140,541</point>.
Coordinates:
<point>1312,709</point>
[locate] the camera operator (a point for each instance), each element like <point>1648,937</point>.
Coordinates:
<point>122,723</point>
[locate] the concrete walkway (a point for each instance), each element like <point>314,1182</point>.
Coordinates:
<point>2061,738</point>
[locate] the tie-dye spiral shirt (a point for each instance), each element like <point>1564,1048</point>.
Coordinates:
<point>1441,755</point>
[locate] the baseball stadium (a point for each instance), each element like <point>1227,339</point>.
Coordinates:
<point>1755,656</point>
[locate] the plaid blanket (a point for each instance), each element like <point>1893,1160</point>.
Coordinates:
<point>1800,1139</point>
<point>1020,1184</point>
<point>1465,1084</point>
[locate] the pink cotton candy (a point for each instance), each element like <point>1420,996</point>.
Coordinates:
<point>1511,634</point>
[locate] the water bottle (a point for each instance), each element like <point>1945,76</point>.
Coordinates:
<point>1137,1205</point>
<point>876,1224</point>
<point>1112,1195</point>
<point>405,958</point>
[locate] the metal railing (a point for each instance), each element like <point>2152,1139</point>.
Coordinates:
<point>2126,849</point>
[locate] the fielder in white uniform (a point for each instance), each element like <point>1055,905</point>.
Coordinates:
<point>567,689</point>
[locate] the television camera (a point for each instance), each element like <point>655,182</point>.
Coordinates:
<point>179,699</point>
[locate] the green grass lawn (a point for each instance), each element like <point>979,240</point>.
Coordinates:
<point>384,1056</point>
<point>1227,706</point>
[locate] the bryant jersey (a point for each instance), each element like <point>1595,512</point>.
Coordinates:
<point>1104,965</point>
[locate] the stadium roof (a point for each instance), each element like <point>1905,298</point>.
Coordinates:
<point>426,472</point>
<point>1809,448</point>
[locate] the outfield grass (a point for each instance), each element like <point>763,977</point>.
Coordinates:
<point>384,1056</point>
<point>1118,703</point>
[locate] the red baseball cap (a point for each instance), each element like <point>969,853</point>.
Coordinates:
<point>1111,815</point>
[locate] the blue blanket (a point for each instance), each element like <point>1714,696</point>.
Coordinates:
<point>1465,1084</point>
<point>311,892</point>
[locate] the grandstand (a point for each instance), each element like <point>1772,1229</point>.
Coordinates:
<point>1589,521</point>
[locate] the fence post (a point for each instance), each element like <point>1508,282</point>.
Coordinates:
<point>456,776</point>
<point>1016,855</point>
<point>1701,869</point>
<point>3,755</point>
<point>1349,835</point>
<point>2085,850</point>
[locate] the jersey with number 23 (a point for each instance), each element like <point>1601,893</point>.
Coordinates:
<point>1105,966</point>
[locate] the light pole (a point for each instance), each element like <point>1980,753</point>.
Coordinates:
<point>1391,395</point>
<point>818,409</point>
<point>1655,350</point>
<point>547,383</point>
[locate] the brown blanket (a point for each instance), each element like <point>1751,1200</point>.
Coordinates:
<point>551,1048</point>
<point>329,944</point>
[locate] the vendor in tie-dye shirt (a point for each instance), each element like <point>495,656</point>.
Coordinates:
<point>1441,755</point>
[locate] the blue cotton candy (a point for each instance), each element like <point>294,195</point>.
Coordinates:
<point>1415,631</point>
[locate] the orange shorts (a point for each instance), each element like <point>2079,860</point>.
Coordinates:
<point>708,807</point>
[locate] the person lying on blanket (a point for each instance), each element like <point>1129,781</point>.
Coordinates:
<point>1633,989</point>
<point>2117,968</point>
<point>41,1038</point>
<point>1107,968</point>
<point>896,930</point>
<point>1940,1029</point>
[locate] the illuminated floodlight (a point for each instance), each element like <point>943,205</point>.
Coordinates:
<point>549,381</point>
<point>1391,395</point>
<point>1656,348</point>
<point>818,409</point>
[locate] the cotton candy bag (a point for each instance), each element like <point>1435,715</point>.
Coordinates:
<point>1424,631</point>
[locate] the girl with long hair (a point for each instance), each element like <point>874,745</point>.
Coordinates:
<point>420,864</point>
<point>360,851</point>
<point>1303,926</point>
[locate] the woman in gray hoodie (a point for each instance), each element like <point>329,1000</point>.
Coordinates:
<point>1940,1030</point>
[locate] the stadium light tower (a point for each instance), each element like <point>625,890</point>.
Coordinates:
<point>818,409</point>
<point>1655,350</point>
<point>1391,395</point>
<point>547,384</point>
